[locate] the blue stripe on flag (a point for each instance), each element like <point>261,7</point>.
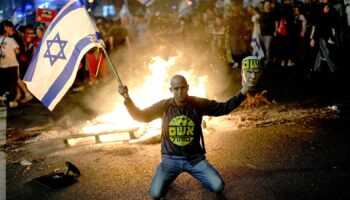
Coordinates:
<point>66,73</point>
<point>260,51</point>
<point>31,69</point>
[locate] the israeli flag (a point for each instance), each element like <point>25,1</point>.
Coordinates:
<point>56,61</point>
<point>258,48</point>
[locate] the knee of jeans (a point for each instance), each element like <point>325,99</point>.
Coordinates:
<point>155,193</point>
<point>218,186</point>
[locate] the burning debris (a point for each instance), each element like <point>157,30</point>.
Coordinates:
<point>15,138</point>
<point>275,114</point>
<point>109,136</point>
<point>255,101</point>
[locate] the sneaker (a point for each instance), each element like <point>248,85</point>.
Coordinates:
<point>13,104</point>
<point>18,97</point>
<point>78,89</point>
<point>4,96</point>
<point>283,63</point>
<point>27,98</point>
<point>3,99</point>
<point>290,64</point>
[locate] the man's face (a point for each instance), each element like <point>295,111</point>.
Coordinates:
<point>251,71</point>
<point>326,9</point>
<point>267,6</point>
<point>251,76</point>
<point>179,88</point>
<point>8,30</point>
<point>29,35</point>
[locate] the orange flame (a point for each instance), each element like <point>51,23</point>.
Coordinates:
<point>158,83</point>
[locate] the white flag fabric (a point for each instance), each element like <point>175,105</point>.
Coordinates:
<point>185,7</point>
<point>147,2</point>
<point>54,66</point>
<point>124,11</point>
<point>258,48</point>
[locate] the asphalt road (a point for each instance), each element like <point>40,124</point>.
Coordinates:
<point>304,157</point>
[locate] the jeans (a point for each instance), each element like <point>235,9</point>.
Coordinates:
<point>323,53</point>
<point>267,39</point>
<point>8,82</point>
<point>171,166</point>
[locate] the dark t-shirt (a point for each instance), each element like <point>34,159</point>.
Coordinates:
<point>324,23</point>
<point>267,23</point>
<point>181,126</point>
<point>119,33</point>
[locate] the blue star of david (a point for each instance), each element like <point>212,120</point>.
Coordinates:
<point>60,55</point>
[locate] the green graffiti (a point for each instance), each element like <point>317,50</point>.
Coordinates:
<point>181,130</point>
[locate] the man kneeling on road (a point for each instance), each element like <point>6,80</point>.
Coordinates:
<point>182,145</point>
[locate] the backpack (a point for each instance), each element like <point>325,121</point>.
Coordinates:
<point>281,29</point>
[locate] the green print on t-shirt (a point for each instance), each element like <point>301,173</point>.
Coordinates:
<point>181,130</point>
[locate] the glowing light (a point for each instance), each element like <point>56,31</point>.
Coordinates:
<point>28,7</point>
<point>157,80</point>
<point>114,137</point>
<point>80,141</point>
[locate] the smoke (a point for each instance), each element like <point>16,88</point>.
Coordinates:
<point>200,60</point>
<point>193,55</point>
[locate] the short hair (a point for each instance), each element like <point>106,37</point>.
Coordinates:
<point>8,23</point>
<point>2,30</point>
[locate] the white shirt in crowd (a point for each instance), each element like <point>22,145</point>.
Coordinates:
<point>8,46</point>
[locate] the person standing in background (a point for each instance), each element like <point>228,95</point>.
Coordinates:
<point>8,69</point>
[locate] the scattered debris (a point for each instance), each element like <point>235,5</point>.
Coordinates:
<point>252,166</point>
<point>59,179</point>
<point>271,115</point>
<point>25,162</point>
<point>26,170</point>
<point>257,100</point>
<point>15,138</point>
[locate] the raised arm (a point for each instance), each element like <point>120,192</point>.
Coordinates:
<point>214,108</point>
<point>146,115</point>
<point>251,72</point>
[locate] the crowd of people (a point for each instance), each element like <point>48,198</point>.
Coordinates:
<point>307,34</point>
<point>17,49</point>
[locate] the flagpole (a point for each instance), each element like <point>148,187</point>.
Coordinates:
<point>98,65</point>
<point>112,66</point>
